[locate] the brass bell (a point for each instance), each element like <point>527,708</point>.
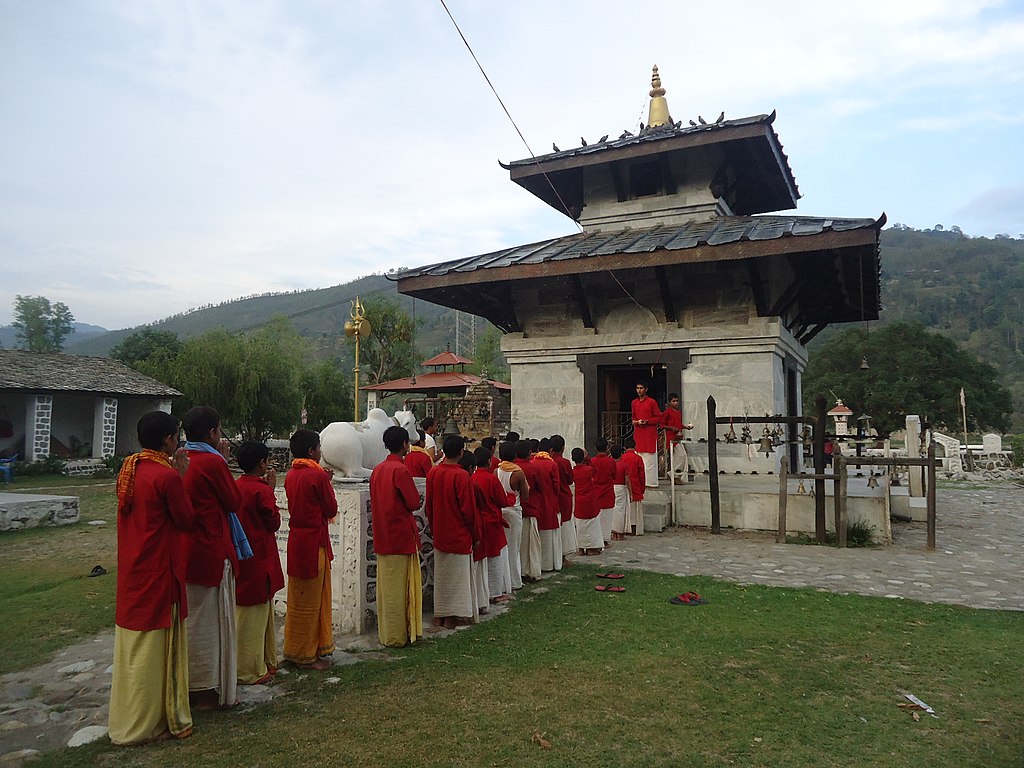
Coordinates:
<point>746,437</point>
<point>801,488</point>
<point>872,480</point>
<point>730,436</point>
<point>767,444</point>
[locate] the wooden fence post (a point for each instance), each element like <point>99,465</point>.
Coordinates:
<point>716,505</point>
<point>820,412</point>
<point>931,496</point>
<point>783,498</point>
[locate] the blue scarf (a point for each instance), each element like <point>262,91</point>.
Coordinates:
<point>243,550</point>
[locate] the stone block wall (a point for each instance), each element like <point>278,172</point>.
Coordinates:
<point>38,421</point>
<point>19,511</point>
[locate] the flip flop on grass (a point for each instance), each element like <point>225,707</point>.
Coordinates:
<point>611,575</point>
<point>603,588</point>
<point>689,598</point>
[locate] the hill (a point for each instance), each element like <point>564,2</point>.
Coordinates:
<point>317,314</point>
<point>968,288</point>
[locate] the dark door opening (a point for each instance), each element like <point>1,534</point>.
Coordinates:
<point>616,390</point>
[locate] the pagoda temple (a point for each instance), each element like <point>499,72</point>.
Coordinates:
<point>684,274</point>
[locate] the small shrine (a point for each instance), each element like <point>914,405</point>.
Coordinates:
<point>684,275</point>
<point>479,406</point>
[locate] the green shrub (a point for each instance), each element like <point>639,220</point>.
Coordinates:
<point>1017,446</point>
<point>51,465</point>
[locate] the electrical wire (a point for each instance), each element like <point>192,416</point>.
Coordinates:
<point>509,115</point>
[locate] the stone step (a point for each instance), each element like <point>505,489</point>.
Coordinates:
<point>656,515</point>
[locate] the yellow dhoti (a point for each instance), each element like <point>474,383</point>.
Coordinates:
<point>399,599</point>
<point>149,690</point>
<point>308,629</point>
<point>257,641</point>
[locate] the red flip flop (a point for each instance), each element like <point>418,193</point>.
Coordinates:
<point>603,588</point>
<point>611,575</point>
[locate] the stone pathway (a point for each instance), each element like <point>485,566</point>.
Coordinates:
<point>979,562</point>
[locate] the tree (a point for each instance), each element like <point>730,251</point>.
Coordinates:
<point>327,395</point>
<point>388,352</point>
<point>42,327</point>
<point>253,381</point>
<point>911,371</point>
<point>488,356</point>
<point>149,351</point>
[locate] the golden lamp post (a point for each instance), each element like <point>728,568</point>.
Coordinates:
<point>359,327</point>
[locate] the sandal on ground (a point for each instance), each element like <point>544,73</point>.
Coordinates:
<point>689,598</point>
<point>603,588</point>
<point>611,575</point>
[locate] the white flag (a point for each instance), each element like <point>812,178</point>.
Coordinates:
<point>963,399</point>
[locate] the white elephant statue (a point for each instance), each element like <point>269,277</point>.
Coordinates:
<point>355,448</point>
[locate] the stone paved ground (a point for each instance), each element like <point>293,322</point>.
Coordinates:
<point>979,562</point>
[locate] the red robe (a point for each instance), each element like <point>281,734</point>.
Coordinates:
<point>635,477</point>
<point>672,421</point>
<point>604,479</point>
<point>532,506</point>
<point>151,550</point>
<point>586,502</point>
<point>646,435</point>
<point>495,461</point>
<point>311,505</point>
<point>212,490</point>
<point>418,462</point>
<point>451,509</point>
<point>490,498</point>
<point>393,502</point>
<point>564,491</point>
<point>259,576</point>
<point>548,518</point>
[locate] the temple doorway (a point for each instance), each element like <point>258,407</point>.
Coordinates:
<point>617,390</point>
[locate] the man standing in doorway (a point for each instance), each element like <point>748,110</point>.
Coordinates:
<point>646,419</point>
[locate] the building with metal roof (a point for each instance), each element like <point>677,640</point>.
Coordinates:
<point>683,273</point>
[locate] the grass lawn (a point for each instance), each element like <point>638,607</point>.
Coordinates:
<point>758,677</point>
<point>45,591</point>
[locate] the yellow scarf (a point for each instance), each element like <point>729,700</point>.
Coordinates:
<point>543,455</point>
<point>126,477</point>
<point>417,448</point>
<point>508,466</point>
<point>296,463</point>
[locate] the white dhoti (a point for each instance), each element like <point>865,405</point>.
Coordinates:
<point>568,530</point>
<point>529,549</point>
<point>636,516</point>
<point>481,591</point>
<point>650,469</point>
<point>513,516</point>
<point>588,533</point>
<point>680,471</point>
<point>551,550</point>
<point>605,517</point>
<point>499,575</point>
<point>454,586</point>
<point>212,638</point>
<point>621,509</point>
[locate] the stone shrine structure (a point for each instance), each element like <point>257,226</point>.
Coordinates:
<point>683,275</point>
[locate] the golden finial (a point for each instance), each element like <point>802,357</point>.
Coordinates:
<point>658,114</point>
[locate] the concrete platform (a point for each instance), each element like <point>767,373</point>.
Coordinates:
<point>751,503</point>
<point>25,510</point>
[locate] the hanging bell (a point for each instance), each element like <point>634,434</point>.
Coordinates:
<point>730,436</point>
<point>872,480</point>
<point>801,488</point>
<point>767,444</point>
<point>746,437</point>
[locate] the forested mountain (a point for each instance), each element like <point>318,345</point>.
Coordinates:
<point>968,288</point>
<point>318,315</point>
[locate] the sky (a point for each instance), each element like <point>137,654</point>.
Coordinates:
<point>158,155</point>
